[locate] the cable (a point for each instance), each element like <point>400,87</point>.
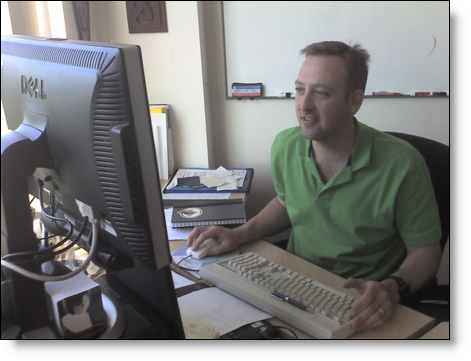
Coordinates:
<point>184,268</point>
<point>43,278</point>
<point>74,242</point>
<point>48,237</point>
<point>51,217</point>
<point>288,329</point>
<point>51,248</point>
<point>177,265</point>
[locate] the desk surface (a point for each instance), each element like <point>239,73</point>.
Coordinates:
<point>405,324</point>
<point>440,332</point>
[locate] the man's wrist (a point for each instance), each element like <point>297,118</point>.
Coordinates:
<point>403,288</point>
<point>243,233</point>
<point>393,289</point>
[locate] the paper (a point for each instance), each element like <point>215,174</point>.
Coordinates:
<point>212,181</point>
<point>231,183</point>
<point>219,309</point>
<point>221,178</point>
<point>180,281</point>
<point>197,330</point>
<point>222,172</point>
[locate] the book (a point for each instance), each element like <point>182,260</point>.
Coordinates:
<point>220,214</point>
<point>200,199</point>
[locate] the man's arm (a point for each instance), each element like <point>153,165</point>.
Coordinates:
<point>379,299</point>
<point>420,266</point>
<point>271,220</point>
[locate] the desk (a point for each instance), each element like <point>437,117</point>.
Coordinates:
<point>405,324</point>
<point>440,332</point>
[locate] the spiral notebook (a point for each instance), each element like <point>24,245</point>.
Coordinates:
<point>220,214</point>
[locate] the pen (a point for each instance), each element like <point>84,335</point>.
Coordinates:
<point>283,298</point>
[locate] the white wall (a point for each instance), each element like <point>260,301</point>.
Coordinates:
<point>173,70</point>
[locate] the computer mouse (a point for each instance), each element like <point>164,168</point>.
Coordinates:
<point>203,249</point>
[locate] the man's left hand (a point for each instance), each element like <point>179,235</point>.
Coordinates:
<point>376,304</point>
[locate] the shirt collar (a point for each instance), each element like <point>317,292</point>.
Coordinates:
<point>361,153</point>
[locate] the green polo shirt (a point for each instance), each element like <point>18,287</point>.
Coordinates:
<point>358,223</point>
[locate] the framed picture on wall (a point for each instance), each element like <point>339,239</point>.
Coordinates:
<point>146,17</point>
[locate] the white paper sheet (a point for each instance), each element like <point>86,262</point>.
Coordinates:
<point>180,281</point>
<point>235,180</point>
<point>220,309</point>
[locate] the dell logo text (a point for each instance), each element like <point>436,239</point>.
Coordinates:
<point>34,87</point>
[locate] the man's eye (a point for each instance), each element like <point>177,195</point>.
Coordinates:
<point>298,90</point>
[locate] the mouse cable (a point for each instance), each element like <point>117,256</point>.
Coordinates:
<point>178,264</point>
<point>183,268</point>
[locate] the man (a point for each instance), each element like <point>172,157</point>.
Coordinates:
<point>360,201</point>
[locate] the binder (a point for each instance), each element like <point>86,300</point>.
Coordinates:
<point>223,214</point>
<point>163,143</point>
<point>186,189</point>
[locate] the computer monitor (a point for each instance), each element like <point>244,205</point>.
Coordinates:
<point>79,124</point>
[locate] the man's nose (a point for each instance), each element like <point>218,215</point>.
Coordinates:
<point>307,103</point>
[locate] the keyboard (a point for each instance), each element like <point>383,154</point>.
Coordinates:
<point>315,308</point>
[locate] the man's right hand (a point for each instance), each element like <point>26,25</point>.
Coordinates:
<point>228,238</point>
<point>271,220</point>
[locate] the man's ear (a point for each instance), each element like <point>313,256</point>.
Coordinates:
<point>356,100</point>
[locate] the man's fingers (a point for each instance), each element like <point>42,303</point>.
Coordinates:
<point>199,235</point>
<point>376,318</point>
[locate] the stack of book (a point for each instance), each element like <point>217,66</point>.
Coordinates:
<point>203,197</point>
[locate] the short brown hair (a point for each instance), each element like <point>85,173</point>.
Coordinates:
<point>356,59</point>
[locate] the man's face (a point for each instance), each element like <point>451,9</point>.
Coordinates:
<point>322,105</point>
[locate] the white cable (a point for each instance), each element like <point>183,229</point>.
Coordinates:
<point>43,278</point>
